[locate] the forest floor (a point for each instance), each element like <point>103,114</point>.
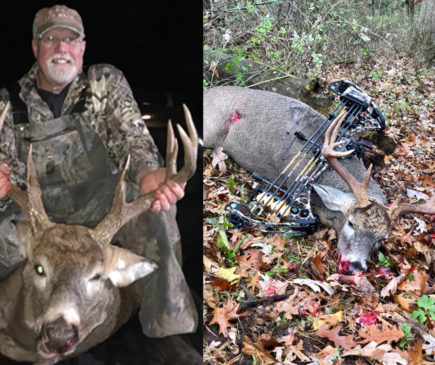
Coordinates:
<point>269,299</point>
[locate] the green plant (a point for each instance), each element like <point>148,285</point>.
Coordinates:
<point>406,329</point>
<point>281,321</point>
<point>425,310</point>
<point>231,184</point>
<point>222,243</point>
<point>384,261</point>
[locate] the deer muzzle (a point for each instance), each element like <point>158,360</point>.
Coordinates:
<point>57,337</point>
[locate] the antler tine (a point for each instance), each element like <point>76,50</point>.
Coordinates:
<point>190,146</point>
<point>397,208</point>
<point>171,152</point>
<point>359,190</point>
<point>122,211</point>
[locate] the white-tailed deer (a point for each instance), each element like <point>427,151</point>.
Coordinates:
<point>256,128</point>
<point>73,290</point>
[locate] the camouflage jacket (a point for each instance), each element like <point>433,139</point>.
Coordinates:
<point>109,107</point>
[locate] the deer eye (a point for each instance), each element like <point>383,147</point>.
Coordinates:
<point>96,277</point>
<point>39,270</point>
<point>350,223</point>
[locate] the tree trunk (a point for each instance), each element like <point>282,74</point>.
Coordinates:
<point>425,32</point>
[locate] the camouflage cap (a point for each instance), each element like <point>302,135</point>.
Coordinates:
<point>58,16</point>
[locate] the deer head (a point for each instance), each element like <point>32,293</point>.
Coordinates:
<point>71,271</point>
<point>361,221</point>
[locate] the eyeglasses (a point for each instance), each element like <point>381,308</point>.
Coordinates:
<point>50,40</point>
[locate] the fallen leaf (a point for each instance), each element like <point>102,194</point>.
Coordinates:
<point>210,266</point>
<point>404,301</point>
<point>315,285</point>
<point>415,283</point>
<point>219,158</point>
<point>222,316</point>
<point>429,345</point>
<point>257,350</point>
<point>393,358</point>
<point>415,352</point>
<point>329,320</point>
<point>392,286</point>
<point>346,342</point>
<point>252,259</point>
<point>380,334</point>
<point>372,351</point>
<point>368,319</point>
<point>271,286</point>
<point>296,351</point>
<point>360,283</point>
<point>228,274</point>
<point>223,284</point>
<point>320,267</point>
<point>213,68</point>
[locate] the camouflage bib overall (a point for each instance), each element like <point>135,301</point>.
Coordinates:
<point>76,175</point>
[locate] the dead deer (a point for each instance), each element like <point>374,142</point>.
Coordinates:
<point>256,128</point>
<point>73,290</point>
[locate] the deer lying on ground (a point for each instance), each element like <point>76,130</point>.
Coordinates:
<point>73,290</point>
<point>256,129</point>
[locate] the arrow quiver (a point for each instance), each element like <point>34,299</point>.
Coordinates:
<point>283,205</point>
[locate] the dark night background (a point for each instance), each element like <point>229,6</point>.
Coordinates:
<point>158,46</point>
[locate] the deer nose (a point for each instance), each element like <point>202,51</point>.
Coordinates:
<point>355,267</point>
<point>59,335</point>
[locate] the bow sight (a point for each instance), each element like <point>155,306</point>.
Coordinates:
<point>284,205</point>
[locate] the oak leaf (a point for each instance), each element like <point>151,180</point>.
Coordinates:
<point>380,334</point>
<point>417,285</point>
<point>222,316</point>
<point>346,342</point>
<point>404,301</point>
<point>319,266</point>
<point>252,258</point>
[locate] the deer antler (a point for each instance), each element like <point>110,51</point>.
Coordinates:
<point>397,208</point>
<point>359,190</point>
<point>122,211</point>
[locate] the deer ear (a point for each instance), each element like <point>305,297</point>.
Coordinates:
<point>123,267</point>
<point>334,199</point>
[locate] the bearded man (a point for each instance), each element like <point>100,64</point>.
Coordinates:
<point>82,123</point>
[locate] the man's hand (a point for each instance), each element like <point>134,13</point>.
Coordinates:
<point>167,193</point>
<point>5,184</point>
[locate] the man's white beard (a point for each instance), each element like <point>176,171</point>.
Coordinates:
<point>61,74</point>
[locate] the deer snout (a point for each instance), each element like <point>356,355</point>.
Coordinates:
<point>58,336</point>
<point>347,266</point>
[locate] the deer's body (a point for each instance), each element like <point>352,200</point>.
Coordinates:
<point>256,128</point>
<point>263,139</point>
